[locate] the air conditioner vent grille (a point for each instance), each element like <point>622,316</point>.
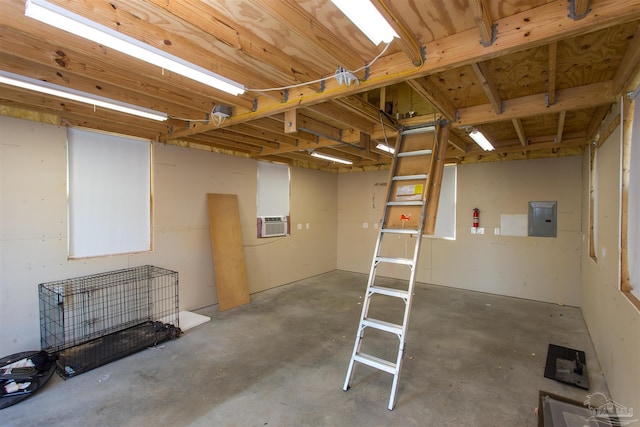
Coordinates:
<point>272,226</point>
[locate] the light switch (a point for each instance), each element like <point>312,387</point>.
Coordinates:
<point>480,230</point>
<point>299,226</point>
<point>307,225</point>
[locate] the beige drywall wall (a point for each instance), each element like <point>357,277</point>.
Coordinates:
<point>613,322</point>
<point>544,269</point>
<point>33,220</point>
<point>311,247</point>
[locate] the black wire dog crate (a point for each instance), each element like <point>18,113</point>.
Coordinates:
<point>93,320</point>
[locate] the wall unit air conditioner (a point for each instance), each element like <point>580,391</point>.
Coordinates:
<point>272,226</point>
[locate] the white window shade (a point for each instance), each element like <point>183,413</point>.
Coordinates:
<point>109,194</point>
<point>273,189</point>
<point>446,217</point>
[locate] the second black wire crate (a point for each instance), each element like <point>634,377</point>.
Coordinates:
<point>93,320</point>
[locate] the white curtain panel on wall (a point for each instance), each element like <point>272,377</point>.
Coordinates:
<point>273,189</point>
<point>109,194</point>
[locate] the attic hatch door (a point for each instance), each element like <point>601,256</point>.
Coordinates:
<point>228,252</point>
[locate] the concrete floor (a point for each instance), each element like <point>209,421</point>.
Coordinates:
<point>472,359</point>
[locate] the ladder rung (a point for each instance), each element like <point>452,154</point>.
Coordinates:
<point>399,231</point>
<point>415,153</point>
<point>409,177</point>
<point>382,325</point>
<point>403,261</point>
<point>406,203</point>
<point>390,292</point>
<point>375,362</point>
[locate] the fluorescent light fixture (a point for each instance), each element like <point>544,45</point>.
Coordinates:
<point>385,147</point>
<point>331,158</point>
<point>76,95</point>
<point>367,18</point>
<point>63,19</point>
<point>481,140</point>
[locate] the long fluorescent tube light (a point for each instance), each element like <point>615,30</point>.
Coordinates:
<point>63,19</point>
<point>481,140</point>
<point>367,18</point>
<point>331,158</point>
<point>76,95</point>
<point>385,148</point>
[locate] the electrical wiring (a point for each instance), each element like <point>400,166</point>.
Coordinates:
<point>384,131</point>
<point>343,73</point>
<point>216,119</point>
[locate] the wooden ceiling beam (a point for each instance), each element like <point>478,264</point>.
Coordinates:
<point>522,136</point>
<point>230,135</point>
<point>333,111</point>
<point>523,30</point>
<point>568,99</point>
<point>311,129</point>
<point>277,137</point>
<point>561,118</point>
<point>551,82</point>
<point>301,146</point>
<point>407,39</point>
<point>483,21</point>
<point>577,139</point>
<point>162,33</point>
<point>596,121</point>
<point>77,80</point>
<point>31,56</point>
<point>490,89</point>
<point>318,128</point>
<point>364,109</point>
<point>224,143</point>
<point>629,66</point>
<point>275,124</point>
<point>425,88</point>
<point>291,15</point>
<point>353,151</point>
<point>67,109</point>
<point>458,143</point>
<point>244,41</point>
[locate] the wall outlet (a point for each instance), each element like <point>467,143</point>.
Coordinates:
<point>299,226</point>
<point>480,230</point>
<point>496,231</point>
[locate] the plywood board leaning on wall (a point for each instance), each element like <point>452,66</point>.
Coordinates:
<point>228,252</point>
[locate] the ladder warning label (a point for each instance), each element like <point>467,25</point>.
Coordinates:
<point>405,217</point>
<point>409,192</point>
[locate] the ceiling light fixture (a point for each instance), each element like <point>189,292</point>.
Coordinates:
<point>76,95</point>
<point>331,158</point>
<point>385,148</point>
<point>481,140</point>
<point>63,19</point>
<point>368,19</point>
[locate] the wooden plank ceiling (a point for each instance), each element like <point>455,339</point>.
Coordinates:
<point>536,76</point>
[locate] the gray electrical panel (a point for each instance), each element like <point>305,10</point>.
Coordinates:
<point>543,219</point>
